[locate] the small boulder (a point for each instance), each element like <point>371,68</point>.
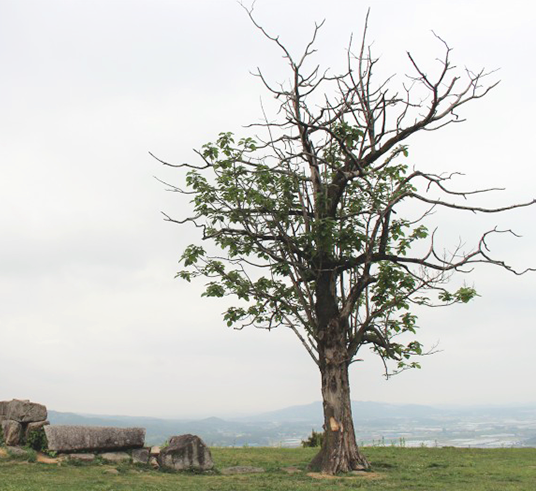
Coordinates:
<point>82,457</point>
<point>115,457</point>
<point>186,452</point>
<point>17,452</point>
<point>141,456</point>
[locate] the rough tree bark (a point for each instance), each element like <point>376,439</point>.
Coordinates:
<point>339,452</point>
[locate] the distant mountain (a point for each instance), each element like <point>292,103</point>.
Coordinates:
<point>411,423</point>
<point>361,410</point>
<point>213,430</point>
<point>302,413</point>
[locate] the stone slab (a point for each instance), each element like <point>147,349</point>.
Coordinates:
<point>23,411</point>
<point>115,457</point>
<point>65,438</point>
<point>82,457</point>
<point>12,431</point>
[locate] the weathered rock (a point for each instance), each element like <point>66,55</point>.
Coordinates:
<point>34,427</point>
<point>242,469</point>
<point>186,452</point>
<point>76,438</point>
<point>115,457</point>
<point>153,462</point>
<point>82,457</point>
<point>155,450</point>
<point>17,452</point>
<point>114,472</point>
<point>24,411</point>
<point>12,431</point>
<point>141,456</point>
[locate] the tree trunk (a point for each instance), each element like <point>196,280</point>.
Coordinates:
<point>339,451</point>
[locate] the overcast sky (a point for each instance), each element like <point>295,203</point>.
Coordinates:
<point>91,317</point>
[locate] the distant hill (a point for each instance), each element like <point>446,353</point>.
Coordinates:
<point>361,410</point>
<point>213,430</point>
<point>412,423</point>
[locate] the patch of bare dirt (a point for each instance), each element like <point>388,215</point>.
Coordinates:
<point>365,475</point>
<point>321,475</point>
<point>354,475</point>
<point>45,459</point>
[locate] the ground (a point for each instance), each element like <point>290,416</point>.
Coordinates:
<point>394,468</point>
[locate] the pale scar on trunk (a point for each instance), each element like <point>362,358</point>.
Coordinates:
<point>334,425</point>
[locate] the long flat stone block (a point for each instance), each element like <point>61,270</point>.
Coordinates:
<point>64,438</point>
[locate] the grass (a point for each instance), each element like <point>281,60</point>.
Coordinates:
<point>396,469</point>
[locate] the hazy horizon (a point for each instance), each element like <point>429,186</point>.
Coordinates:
<point>257,414</point>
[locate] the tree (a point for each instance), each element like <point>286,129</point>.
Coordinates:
<point>316,226</point>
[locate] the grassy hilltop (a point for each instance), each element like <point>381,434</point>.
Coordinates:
<point>394,468</point>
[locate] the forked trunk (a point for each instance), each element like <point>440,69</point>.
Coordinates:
<point>339,452</point>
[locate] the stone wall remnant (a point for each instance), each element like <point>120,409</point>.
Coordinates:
<point>18,418</point>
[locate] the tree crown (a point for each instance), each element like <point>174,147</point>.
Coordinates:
<point>311,217</point>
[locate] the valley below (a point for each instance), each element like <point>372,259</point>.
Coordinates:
<point>376,424</point>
